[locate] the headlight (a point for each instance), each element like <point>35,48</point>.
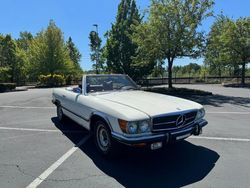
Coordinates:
<point>144,126</point>
<point>134,127</point>
<point>200,114</point>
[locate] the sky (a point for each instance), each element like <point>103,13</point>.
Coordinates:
<point>76,18</point>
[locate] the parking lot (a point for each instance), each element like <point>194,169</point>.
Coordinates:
<point>36,150</point>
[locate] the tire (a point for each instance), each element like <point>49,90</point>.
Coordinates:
<point>60,115</point>
<point>103,140</point>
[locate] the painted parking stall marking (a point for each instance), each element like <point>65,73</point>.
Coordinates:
<point>28,129</point>
<point>56,164</point>
<point>221,138</point>
<point>40,130</point>
<point>29,107</point>
<point>241,113</point>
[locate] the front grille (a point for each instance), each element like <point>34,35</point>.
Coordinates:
<point>169,122</point>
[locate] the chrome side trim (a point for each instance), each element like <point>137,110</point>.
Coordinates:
<point>85,119</point>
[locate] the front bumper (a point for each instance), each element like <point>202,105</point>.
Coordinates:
<point>164,137</point>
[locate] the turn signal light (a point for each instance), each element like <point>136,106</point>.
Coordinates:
<point>123,125</point>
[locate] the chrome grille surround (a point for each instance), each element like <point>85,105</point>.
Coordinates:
<point>167,122</point>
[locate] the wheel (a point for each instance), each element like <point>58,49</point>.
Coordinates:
<point>60,114</point>
<point>103,140</point>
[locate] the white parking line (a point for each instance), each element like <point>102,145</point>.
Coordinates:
<point>40,130</point>
<point>221,138</point>
<point>21,136</point>
<point>243,113</point>
<point>29,107</point>
<point>28,129</point>
<point>56,164</point>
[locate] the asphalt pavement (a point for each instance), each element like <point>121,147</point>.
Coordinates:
<point>38,151</point>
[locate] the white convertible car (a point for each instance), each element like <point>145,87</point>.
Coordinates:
<point>115,110</point>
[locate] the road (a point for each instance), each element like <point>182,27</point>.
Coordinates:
<point>36,150</point>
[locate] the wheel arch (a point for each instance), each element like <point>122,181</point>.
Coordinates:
<point>95,116</point>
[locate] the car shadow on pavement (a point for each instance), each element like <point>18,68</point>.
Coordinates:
<point>219,100</point>
<point>177,165</point>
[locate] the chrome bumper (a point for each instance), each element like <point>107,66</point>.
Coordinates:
<point>170,136</point>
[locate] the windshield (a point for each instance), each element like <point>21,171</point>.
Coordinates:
<point>100,83</point>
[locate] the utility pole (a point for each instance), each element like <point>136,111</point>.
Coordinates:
<point>97,49</point>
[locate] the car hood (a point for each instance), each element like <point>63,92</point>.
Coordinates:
<point>150,103</point>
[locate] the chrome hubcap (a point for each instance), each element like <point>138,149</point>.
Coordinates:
<point>103,138</point>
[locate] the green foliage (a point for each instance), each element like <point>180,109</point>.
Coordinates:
<point>29,56</point>
<point>4,74</point>
<point>96,52</point>
<point>171,30</point>
<point>23,42</point>
<point>51,80</point>
<point>8,55</point>
<point>49,54</point>
<point>192,69</point>
<point>229,45</point>
<point>158,70</point>
<point>7,87</point>
<point>215,56</point>
<point>74,54</point>
<point>120,49</point>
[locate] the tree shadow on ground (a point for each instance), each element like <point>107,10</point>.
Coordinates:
<point>177,165</point>
<point>219,100</point>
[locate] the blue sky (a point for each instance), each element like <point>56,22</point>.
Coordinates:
<point>76,18</point>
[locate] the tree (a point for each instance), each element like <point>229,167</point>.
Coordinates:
<point>8,56</point>
<point>172,30</point>
<point>215,56</point>
<point>120,49</point>
<point>23,42</point>
<point>158,69</point>
<point>96,55</point>
<point>49,53</point>
<point>74,53</point>
<point>1,51</point>
<point>236,38</point>
<point>13,61</point>
<point>229,45</point>
<point>192,69</point>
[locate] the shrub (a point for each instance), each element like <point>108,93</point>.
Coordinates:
<point>7,86</point>
<point>4,74</point>
<point>51,80</point>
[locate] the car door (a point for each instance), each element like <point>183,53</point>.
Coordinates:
<point>82,110</point>
<point>75,109</point>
